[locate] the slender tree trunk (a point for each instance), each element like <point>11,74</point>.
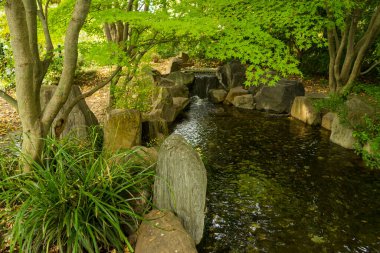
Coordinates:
<point>347,54</point>
<point>332,54</point>
<point>22,21</point>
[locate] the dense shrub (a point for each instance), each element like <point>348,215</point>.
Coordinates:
<point>76,200</point>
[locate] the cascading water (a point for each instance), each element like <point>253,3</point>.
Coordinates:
<point>204,82</point>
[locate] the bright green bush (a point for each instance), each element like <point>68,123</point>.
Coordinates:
<point>77,200</point>
<point>368,142</point>
<point>137,94</point>
<point>7,70</point>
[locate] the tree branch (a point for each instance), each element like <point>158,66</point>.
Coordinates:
<point>370,68</point>
<point>107,32</point>
<point>10,100</point>
<point>332,54</point>
<point>48,41</point>
<point>31,19</point>
<point>63,90</point>
<point>371,33</point>
<point>368,32</point>
<point>338,59</point>
<point>87,94</point>
<point>336,37</point>
<point>350,52</point>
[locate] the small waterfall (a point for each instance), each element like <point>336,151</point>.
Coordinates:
<point>203,83</point>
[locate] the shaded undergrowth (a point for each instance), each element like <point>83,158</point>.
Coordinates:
<point>77,200</point>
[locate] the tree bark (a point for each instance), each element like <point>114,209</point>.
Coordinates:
<point>368,38</point>
<point>29,110</point>
<point>22,20</point>
<point>344,71</point>
<point>332,53</point>
<point>59,98</point>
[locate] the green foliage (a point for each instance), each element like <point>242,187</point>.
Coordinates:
<point>315,61</point>
<point>77,200</point>
<point>371,90</point>
<point>367,135</point>
<point>137,94</point>
<point>55,68</point>
<point>7,70</point>
<point>334,103</point>
<point>368,145</point>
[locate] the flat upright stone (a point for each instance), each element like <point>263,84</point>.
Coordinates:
<point>180,184</point>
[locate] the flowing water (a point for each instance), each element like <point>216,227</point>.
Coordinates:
<point>278,185</point>
<point>203,83</point>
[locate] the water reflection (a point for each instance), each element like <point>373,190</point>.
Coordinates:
<point>276,185</point>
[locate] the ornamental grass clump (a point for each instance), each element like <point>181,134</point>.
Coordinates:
<point>75,200</point>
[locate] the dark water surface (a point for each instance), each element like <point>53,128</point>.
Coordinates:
<point>278,185</point>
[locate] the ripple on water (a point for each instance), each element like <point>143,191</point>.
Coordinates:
<point>277,185</point>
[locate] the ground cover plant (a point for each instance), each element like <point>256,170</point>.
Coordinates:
<point>77,200</point>
<point>367,133</point>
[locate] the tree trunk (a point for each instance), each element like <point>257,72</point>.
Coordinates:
<point>32,146</point>
<point>343,71</point>
<point>22,16</point>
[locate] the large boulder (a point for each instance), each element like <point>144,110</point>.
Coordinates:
<point>154,131</point>
<point>217,95</point>
<point>162,232</point>
<point>234,92</point>
<point>203,84</point>
<point>180,103</point>
<point>175,64</point>
<point>232,74</point>
<point>279,98</point>
<point>358,110</point>
<point>122,129</point>
<point>244,101</point>
<point>179,90</point>
<point>184,56</point>
<point>144,156</point>
<point>180,184</point>
<point>328,119</point>
<point>304,110</point>
<point>342,134</point>
<point>180,78</point>
<point>165,82</point>
<point>163,108</point>
<point>79,120</point>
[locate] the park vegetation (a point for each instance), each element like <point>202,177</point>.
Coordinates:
<point>42,40</point>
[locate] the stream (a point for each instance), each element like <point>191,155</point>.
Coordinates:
<point>278,185</point>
